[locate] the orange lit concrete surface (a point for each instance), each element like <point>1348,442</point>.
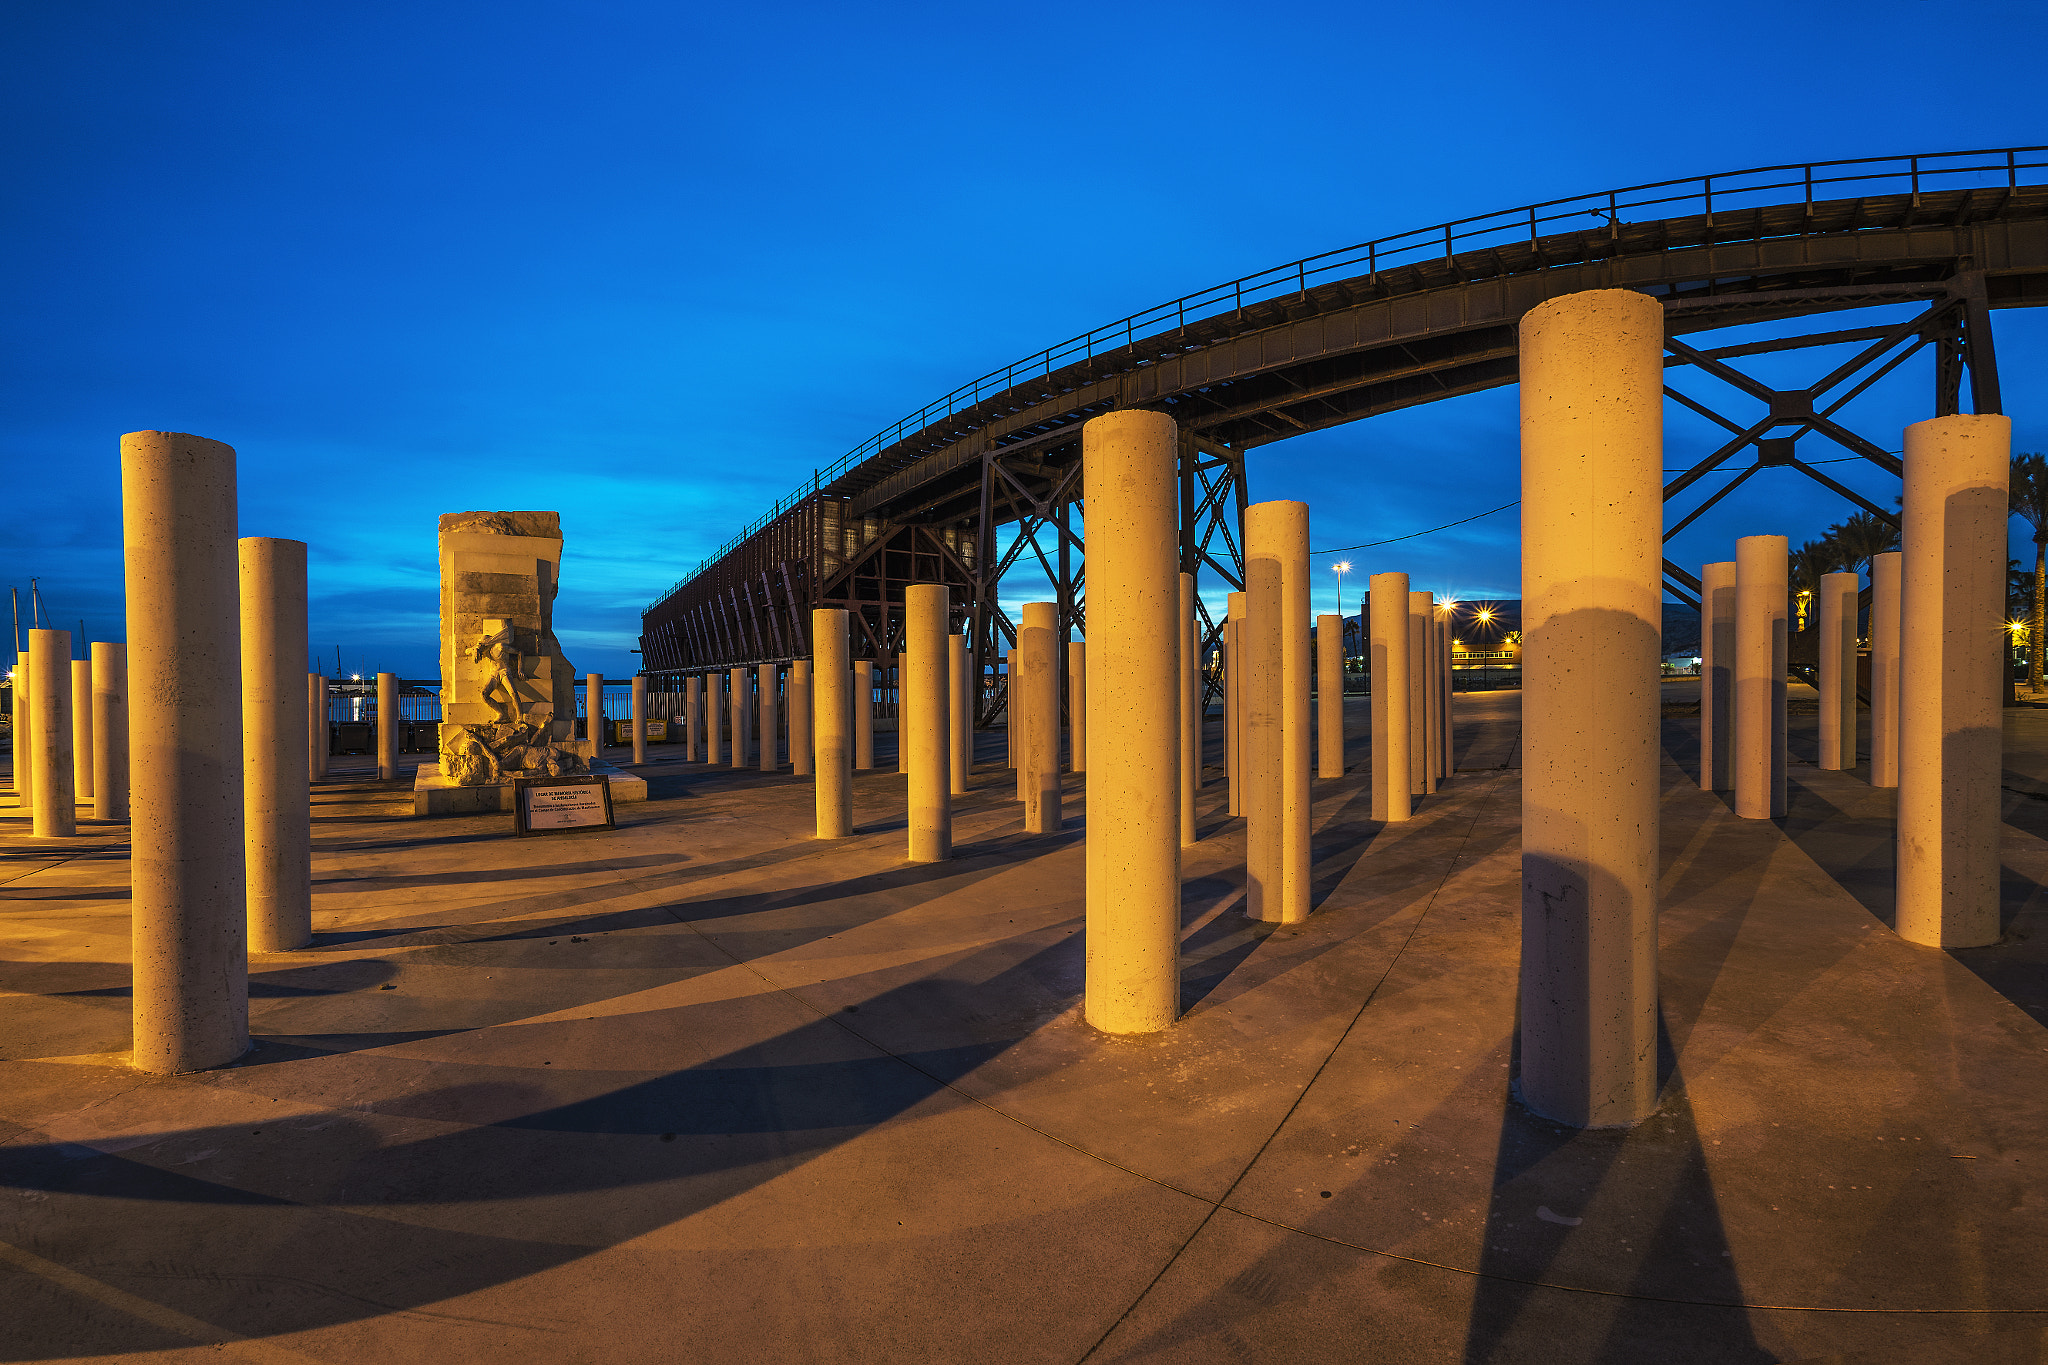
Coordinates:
<point>703,1088</point>
<point>1717,676</point>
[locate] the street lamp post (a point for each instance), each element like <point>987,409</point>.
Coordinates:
<point>1340,568</point>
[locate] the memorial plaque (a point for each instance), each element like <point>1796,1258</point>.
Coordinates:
<point>550,805</point>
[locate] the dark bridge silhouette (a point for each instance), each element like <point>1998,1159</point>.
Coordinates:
<point>1388,324</point>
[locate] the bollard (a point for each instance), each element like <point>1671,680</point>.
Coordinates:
<point>276,806</point>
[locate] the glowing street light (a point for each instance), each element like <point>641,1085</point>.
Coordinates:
<point>1340,568</point>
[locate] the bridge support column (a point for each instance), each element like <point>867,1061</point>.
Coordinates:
<point>1038,765</point>
<point>390,725</point>
<point>961,747</point>
<point>922,722</point>
<point>1392,787</point>
<point>49,670</point>
<point>1077,706</point>
<point>770,723</point>
<point>191,992</point>
<point>1886,573</point>
<point>1837,680</point>
<point>1133,856</point>
<point>277,810</point>
<point>110,724</point>
<point>1592,559</point>
<point>1717,676</point>
<point>864,715</point>
<point>1760,663</point>
<point>1190,711</point>
<point>833,771</point>
<point>1953,679</point>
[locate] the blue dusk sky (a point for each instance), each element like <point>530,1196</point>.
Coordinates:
<point>650,264</point>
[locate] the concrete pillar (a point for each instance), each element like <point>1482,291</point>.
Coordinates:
<point>390,725</point>
<point>1886,573</point>
<point>1592,372</point>
<point>1837,680</point>
<point>110,725</point>
<point>81,729</point>
<point>1277,714</point>
<point>1433,688</point>
<point>1760,663</point>
<point>639,721</point>
<point>1329,696</point>
<point>922,727</point>
<point>864,715</point>
<point>1717,676</point>
<point>714,718</point>
<point>739,739</point>
<point>277,814</point>
<point>1421,776</point>
<point>24,725</point>
<point>1190,711</point>
<point>316,725</point>
<point>902,691</point>
<point>768,729</point>
<point>1387,629</point>
<point>1445,763</point>
<point>191,999</point>
<point>832,784</point>
<point>1952,681</point>
<point>593,713</point>
<point>1038,656</point>
<point>1234,639</point>
<point>1077,706</point>
<point>1130,465</point>
<point>1019,717</point>
<point>49,672</point>
<point>960,749</point>
<point>802,711</point>
<point>693,717</point>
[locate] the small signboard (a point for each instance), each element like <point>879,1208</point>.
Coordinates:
<point>549,805</point>
<point>657,732</point>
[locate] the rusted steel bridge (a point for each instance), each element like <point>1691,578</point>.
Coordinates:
<point>1403,320</point>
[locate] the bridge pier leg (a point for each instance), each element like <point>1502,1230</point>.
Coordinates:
<point>1717,676</point>
<point>1760,644</point>
<point>1837,678</point>
<point>1952,684</point>
<point>1038,681</point>
<point>921,724</point>
<point>1886,571</point>
<point>1392,790</point>
<point>831,637</point>
<point>1592,558</point>
<point>1133,853</point>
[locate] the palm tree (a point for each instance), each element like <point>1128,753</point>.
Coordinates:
<point>1863,538</point>
<point>1809,562</point>
<point>2030,500</point>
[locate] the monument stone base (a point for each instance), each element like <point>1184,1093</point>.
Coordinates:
<point>433,794</point>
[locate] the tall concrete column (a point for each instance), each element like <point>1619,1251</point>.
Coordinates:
<point>1277,714</point>
<point>593,706</point>
<point>24,725</point>
<point>802,711</point>
<point>1329,696</point>
<point>1717,676</point>
<point>1951,682</point>
<point>639,721</point>
<point>769,728</point>
<point>1130,462</point>
<point>1761,587</point>
<point>1018,718</point>
<point>922,727</point>
<point>390,725</point>
<point>191,997</point>
<point>693,717</point>
<point>864,715</point>
<point>1592,387</point>
<point>316,731</point>
<point>1886,573</point>
<point>960,749</point>
<point>1421,776</point>
<point>49,670</point>
<point>714,719</point>
<point>1837,680</point>
<point>81,728</point>
<point>1234,641</point>
<point>1444,760</point>
<point>902,692</point>
<point>1392,702</point>
<point>1190,711</point>
<point>1077,706</point>
<point>740,741</point>
<point>1432,686</point>
<point>1038,651</point>
<point>110,724</point>
<point>832,783</point>
<point>277,815</point>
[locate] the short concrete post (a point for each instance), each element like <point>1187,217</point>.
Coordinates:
<point>81,729</point>
<point>1329,696</point>
<point>902,693</point>
<point>390,725</point>
<point>1837,678</point>
<point>1886,573</point>
<point>1421,773</point>
<point>639,721</point>
<point>1952,681</point>
<point>1077,707</point>
<point>110,724</point>
<point>1038,653</point>
<point>1190,711</point>
<point>276,810</point>
<point>1592,372</point>
<point>1717,676</point>
<point>1234,642</point>
<point>1760,662</point>
<point>1277,712</point>
<point>24,725</point>
<point>864,715</point>
<point>191,999</point>
<point>802,711</point>
<point>832,783</point>
<point>49,668</point>
<point>740,741</point>
<point>1130,474</point>
<point>960,749</point>
<point>769,730</point>
<point>922,725</point>
<point>1392,702</point>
